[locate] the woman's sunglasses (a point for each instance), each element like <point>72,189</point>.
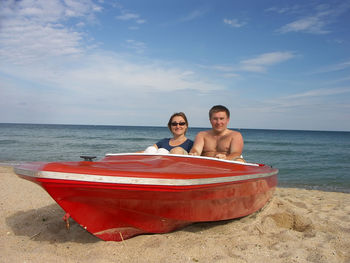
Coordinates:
<point>178,123</point>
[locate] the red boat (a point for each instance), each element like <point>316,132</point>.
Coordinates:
<point>124,195</point>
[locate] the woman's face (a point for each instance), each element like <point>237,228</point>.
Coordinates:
<point>178,125</point>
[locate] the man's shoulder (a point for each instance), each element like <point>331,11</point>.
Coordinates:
<point>204,133</point>
<point>233,133</point>
<point>236,132</point>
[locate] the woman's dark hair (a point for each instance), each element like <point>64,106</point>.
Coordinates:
<point>181,114</point>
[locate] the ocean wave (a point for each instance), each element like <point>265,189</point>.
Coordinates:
<point>136,139</point>
<point>282,144</point>
<point>6,142</point>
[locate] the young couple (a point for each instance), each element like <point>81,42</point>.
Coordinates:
<point>219,142</point>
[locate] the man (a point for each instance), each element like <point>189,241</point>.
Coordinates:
<point>219,142</point>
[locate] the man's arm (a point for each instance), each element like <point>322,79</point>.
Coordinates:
<point>198,145</point>
<point>236,146</point>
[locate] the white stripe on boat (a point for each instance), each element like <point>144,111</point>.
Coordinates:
<point>139,180</point>
<point>184,156</point>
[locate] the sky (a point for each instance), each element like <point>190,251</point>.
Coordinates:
<point>275,64</point>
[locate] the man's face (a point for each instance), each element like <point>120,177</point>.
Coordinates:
<point>219,121</point>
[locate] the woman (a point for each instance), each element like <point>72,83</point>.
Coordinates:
<point>179,144</point>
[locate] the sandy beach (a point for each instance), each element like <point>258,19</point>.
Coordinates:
<point>295,226</point>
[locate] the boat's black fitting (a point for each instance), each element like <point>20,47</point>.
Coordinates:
<point>88,158</point>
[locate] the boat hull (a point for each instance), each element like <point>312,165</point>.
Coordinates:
<point>154,200</point>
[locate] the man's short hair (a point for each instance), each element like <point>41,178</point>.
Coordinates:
<point>219,108</point>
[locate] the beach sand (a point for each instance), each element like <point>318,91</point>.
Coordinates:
<point>295,226</point>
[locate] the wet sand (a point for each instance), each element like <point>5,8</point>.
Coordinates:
<point>295,226</point>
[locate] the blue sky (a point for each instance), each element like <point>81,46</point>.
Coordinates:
<point>274,64</point>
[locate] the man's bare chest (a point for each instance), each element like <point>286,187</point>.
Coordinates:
<point>217,143</point>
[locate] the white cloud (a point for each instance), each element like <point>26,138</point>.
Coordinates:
<point>315,101</point>
<point>41,41</point>
<point>319,93</point>
<point>100,88</point>
<point>336,67</point>
<point>337,81</point>
<point>128,16</point>
<point>234,23</point>
<point>257,64</point>
<point>140,21</point>
<point>223,68</point>
<point>43,11</point>
<point>133,17</point>
<point>261,62</point>
<point>137,46</point>
<point>322,16</point>
<point>42,51</point>
<point>231,75</point>
<point>113,71</point>
<point>48,73</point>
<point>38,11</point>
<point>79,8</point>
<point>313,24</point>
<point>316,109</point>
<point>222,71</point>
<point>194,15</point>
<point>285,10</point>
<point>34,30</point>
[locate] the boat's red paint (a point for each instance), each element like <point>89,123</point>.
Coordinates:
<point>122,196</point>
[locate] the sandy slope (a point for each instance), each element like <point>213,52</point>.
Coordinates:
<point>295,226</point>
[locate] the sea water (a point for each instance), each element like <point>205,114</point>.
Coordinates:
<point>305,159</point>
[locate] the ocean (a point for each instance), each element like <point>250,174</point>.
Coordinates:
<point>305,159</point>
